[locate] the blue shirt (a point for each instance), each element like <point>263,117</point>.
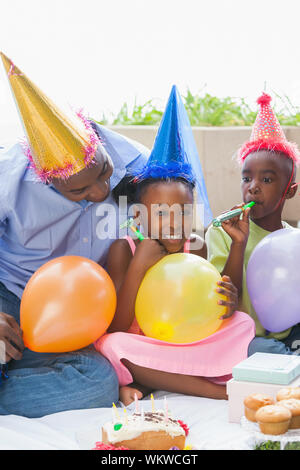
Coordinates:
<point>37,223</point>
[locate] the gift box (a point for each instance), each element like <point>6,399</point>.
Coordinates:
<point>268,368</point>
<point>237,391</point>
<point>266,373</point>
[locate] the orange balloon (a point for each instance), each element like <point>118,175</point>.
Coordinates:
<point>67,304</point>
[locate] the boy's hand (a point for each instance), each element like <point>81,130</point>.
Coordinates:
<point>149,252</point>
<point>238,228</point>
<point>230,291</point>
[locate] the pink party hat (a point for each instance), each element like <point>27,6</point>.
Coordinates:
<point>267,134</point>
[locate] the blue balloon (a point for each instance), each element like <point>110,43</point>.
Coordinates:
<point>273,280</point>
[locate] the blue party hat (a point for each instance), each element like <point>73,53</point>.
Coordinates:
<point>174,154</point>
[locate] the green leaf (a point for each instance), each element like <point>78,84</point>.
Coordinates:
<point>206,110</point>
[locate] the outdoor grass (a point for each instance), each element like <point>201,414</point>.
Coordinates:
<point>206,110</point>
<point>275,445</point>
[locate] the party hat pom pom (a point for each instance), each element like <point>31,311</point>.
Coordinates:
<point>264,99</point>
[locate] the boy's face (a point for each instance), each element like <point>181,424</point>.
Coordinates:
<point>265,176</point>
<point>91,184</point>
<point>169,213</point>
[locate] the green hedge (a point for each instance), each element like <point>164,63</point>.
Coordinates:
<point>206,110</point>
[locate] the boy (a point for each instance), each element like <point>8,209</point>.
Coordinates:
<point>268,178</point>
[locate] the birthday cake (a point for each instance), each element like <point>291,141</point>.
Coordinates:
<point>155,430</point>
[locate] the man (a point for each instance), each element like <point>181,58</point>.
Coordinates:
<point>49,209</point>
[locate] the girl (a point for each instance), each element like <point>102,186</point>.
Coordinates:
<point>200,368</point>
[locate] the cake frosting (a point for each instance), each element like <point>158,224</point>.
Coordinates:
<point>131,427</point>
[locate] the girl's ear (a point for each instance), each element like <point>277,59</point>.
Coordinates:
<point>292,191</point>
<point>136,215</point>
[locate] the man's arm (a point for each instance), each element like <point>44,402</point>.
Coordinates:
<point>10,332</point>
<point>3,225</point>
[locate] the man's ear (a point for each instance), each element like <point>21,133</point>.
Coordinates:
<point>292,191</point>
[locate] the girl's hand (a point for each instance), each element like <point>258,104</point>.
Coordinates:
<point>230,291</point>
<point>238,228</point>
<point>148,253</point>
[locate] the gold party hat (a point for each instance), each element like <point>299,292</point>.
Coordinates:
<point>56,147</point>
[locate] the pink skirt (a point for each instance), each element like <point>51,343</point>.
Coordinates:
<point>212,357</point>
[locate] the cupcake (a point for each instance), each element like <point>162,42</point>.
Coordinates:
<point>294,406</point>
<point>288,392</point>
<point>254,402</point>
<point>273,419</point>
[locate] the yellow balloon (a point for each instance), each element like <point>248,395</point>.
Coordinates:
<point>177,300</point>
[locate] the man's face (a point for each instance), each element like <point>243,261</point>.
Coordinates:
<point>91,184</point>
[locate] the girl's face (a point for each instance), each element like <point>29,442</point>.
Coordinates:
<point>265,177</point>
<point>169,212</point>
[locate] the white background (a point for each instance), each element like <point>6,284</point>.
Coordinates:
<point>97,54</point>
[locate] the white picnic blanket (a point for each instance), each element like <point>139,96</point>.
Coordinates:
<point>80,429</point>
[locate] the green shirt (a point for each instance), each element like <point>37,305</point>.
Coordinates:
<point>218,246</point>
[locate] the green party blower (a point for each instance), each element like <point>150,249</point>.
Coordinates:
<point>217,222</point>
<point>129,223</point>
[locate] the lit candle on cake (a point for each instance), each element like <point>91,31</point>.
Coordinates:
<point>126,417</point>
<point>143,414</point>
<point>166,409</point>
<point>152,401</point>
<point>113,415</point>
<point>116,412</point>
<point>136,403</point>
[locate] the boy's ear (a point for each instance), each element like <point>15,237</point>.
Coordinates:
<point>292,191</point>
